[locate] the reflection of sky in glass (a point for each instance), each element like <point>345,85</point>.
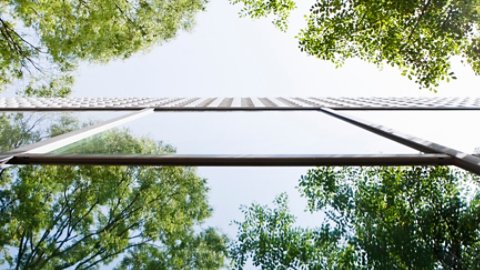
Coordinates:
<point>455,129</point>
<point>257,133</point>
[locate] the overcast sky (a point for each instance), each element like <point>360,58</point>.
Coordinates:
<point>227,56</point>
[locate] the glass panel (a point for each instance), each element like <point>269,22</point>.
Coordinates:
<point>454,129</point>
<point>244,133</point>
<point>23,128</point>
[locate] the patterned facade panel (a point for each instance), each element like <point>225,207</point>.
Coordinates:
<point>233,103</point>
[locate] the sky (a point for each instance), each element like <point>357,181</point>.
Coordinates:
<point>224,55</point>
<point>228,56</point>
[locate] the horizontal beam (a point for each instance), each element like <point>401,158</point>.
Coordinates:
<point>231,109</point>
<point>236,160</point>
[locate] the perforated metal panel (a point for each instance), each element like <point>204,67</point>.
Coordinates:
<point>244,103</point>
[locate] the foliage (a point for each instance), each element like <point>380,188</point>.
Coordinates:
<point>375,218</point>
<point>57,217</point>
<point>204,251</point>
<point>47,38</point>
<point>262,8</point>
<point>55,87</point>
<point>418,37</point>
<point>17,129</point>
<point>269,238</point>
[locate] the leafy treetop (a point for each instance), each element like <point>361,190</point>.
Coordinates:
<point>374,218</point>
<point>420,37</point>
<point>280,9</point>
<point>47,38</point>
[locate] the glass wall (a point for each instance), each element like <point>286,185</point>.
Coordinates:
<point>248,133</point>
<point>23,128</point>
<point>455,129</point>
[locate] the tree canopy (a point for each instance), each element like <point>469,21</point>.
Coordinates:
<point>47,39</point>
<point>418,37</point>
<point>374,218</point>
<point>58,217</point>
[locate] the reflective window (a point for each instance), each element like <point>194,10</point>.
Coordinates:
<point>23,128</point>
<point>244,133</point>
<point>455,129</point>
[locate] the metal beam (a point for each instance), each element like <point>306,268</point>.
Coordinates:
<point>463,160</point>
<point>4,159</point>
<point>236,160</point>
<point>57,142</point>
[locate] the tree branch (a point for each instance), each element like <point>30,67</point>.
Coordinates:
<point>8,33</point>
<point>21,251</point>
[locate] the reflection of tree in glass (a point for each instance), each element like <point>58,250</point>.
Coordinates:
<point>58,217</point>
<point>376,218</point>
<point>17,129</point>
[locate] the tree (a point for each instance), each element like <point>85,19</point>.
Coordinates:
<point>48,38</point>
<point>280,9</point>
<point>203,251</point>
<point>420,37</point>
<point>375,218</point>
<point>269,238</point>
<point>57,217</point>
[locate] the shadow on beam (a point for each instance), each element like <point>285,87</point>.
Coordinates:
<point>236,160</point>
